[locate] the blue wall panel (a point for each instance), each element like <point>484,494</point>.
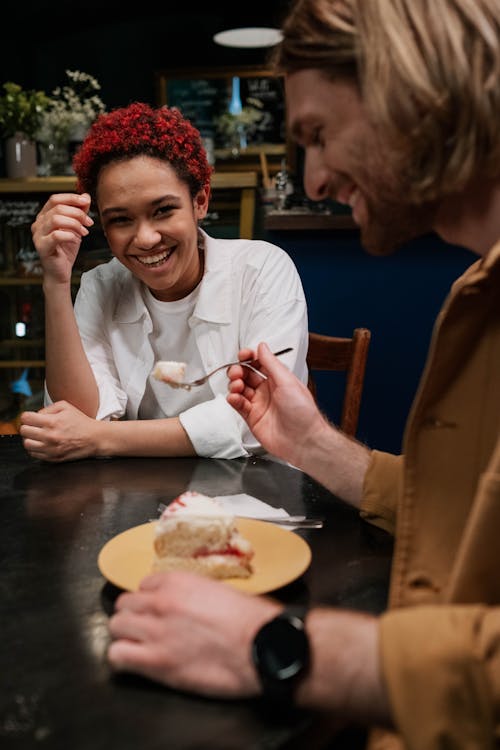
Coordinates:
<point>397,297</point>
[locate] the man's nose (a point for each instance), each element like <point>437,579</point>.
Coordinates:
<point>315,177</point>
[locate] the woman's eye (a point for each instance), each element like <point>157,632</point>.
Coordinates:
<point>163,210</point>
<point>117,220</point>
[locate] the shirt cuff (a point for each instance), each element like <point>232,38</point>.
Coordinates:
<point>214,428</point>
<point>381,490</point>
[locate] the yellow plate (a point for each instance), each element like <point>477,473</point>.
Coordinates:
<point>280,557</point>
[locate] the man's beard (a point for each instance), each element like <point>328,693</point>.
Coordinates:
<point>391,224</point>
<point>392,219</point>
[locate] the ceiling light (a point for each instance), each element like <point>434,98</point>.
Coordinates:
<point>256,36</point>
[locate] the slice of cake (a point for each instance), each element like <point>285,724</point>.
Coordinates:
<point>170,372</point>
<point>197,533</point>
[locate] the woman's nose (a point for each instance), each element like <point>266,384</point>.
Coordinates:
<point>146,236</point>
<point>315,177</point>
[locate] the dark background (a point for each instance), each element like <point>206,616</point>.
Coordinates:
<point>397,297</point>
<point>123,48</point>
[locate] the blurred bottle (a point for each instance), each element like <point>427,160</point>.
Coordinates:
<point>235,105</point>
<point>283,187</point>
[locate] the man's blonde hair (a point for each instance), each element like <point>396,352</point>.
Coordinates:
<point>428,72</point>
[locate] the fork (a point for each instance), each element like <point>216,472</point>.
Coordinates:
<point>298,522</point>
<point>187,385</point>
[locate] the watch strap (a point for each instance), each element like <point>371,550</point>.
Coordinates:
<point>281,656</point>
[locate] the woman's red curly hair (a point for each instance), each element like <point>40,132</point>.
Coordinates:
<point>141,130</point>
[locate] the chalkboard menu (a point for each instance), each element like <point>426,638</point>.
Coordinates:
<point>203,96</point>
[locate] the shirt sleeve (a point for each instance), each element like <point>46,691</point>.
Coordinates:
<point>90,322</point>
<point>90,316</point>
<point>382,490</point>
<point>217,431</point>
<point>441,666</point>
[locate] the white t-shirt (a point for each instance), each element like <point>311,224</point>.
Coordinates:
<point>250,292</point>
<point>171,339</point>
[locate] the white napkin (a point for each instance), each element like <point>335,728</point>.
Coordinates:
<point>251,507</point>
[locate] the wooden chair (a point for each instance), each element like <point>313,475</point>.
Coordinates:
<point>347,355</point>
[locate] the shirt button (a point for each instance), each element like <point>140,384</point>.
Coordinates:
<point>433,423</point>
<point>470,290</point>
<point>421,581</point>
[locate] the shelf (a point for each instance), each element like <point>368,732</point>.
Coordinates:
<point>11,364</point>
<point>250,158</point>
<point>23,341</point>
<point>37,185</point>
<point>269,149</point>
<point>220,181</point>
<point>10,280</point>
<point>6,280</point>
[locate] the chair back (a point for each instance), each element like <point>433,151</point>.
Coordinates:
<point>347,355</point>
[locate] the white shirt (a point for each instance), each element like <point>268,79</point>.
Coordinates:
<point>171,337</point>
<point>250,292</point>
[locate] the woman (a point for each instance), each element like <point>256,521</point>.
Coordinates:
<point>171,292</point>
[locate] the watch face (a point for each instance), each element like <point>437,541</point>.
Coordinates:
<point>281,648</point>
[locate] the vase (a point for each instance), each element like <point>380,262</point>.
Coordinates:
<point>76,137</point>
<point>20,156</point>
<point>54,158</point>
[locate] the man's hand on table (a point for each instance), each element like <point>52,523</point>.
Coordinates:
<point>191,633</point>
<point>195,634</point>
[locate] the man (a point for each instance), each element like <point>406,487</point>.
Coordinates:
<point>396,103</point>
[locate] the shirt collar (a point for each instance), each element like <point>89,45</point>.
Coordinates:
<point>482,270</point>
<point>214,301</point>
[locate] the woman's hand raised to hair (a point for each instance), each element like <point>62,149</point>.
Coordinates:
<point>58,231</point>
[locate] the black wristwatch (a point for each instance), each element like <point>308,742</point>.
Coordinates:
<point>280,653</point>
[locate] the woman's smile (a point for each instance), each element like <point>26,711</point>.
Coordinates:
<point>157,260</point>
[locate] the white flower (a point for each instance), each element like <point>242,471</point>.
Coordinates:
<point>249,118</point>
<point>73,107</point>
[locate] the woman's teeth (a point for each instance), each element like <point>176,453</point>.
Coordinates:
<point>153,260</point>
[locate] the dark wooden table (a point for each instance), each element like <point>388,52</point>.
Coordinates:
<point>56,690</point>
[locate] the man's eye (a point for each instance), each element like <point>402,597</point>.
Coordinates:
<point>310,138</point>
<point>315,139</point>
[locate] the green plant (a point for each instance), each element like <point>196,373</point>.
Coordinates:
<point>21,110</point>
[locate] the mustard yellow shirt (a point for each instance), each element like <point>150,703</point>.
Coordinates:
<point>440,638</point>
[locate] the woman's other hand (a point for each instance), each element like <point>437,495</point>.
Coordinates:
<point>59,432</point>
